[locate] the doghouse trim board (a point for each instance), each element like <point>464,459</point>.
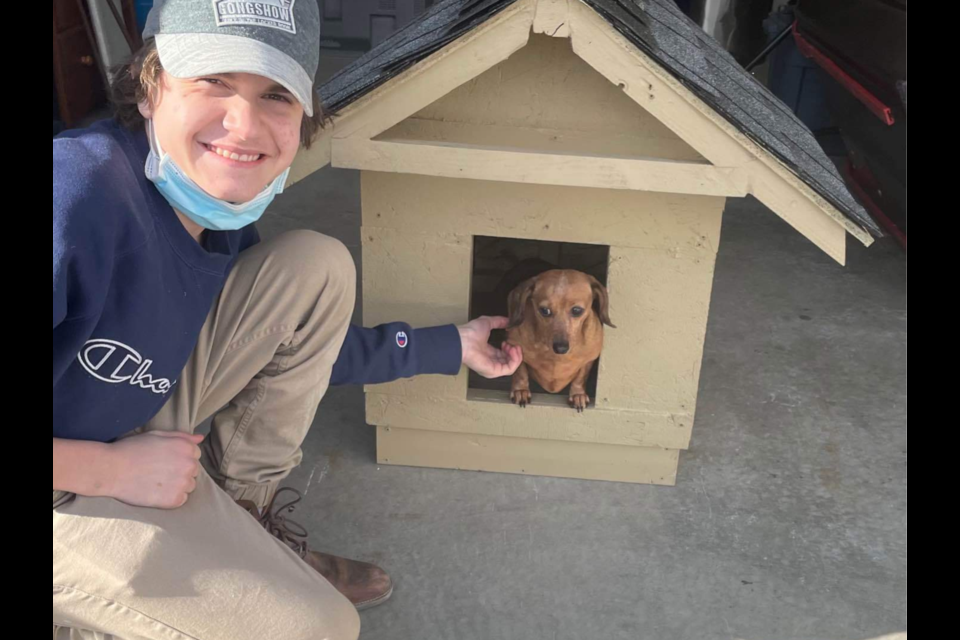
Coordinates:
<point>473,452</point>
<point>447,160</point>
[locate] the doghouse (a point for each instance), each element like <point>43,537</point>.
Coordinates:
<point>602,135</point>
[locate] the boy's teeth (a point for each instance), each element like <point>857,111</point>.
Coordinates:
<point>234,156</point>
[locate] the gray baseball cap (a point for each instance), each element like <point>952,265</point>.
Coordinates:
<point>276,39</point>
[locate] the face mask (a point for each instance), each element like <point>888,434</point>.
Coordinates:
<point>187,197</point>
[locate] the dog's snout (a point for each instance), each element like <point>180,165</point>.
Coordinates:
<point>560,347</point>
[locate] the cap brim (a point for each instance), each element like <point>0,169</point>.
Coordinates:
<point>191,55</point>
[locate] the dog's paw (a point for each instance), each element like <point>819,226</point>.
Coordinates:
<point>579,401</point>
<point>521,397</point>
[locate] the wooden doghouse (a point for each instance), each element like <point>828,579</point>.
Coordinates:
<point>607,135</point>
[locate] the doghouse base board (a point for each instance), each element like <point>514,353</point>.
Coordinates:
<point>471,452</point>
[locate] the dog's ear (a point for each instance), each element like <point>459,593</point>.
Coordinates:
<point>517,301</point>
<point>601,302</point>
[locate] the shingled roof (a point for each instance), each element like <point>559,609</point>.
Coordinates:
<point>660,30</point>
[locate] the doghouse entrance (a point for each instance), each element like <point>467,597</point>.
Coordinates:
<point>499,265</point>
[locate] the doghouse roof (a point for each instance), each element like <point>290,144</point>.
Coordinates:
<point>684,56</point>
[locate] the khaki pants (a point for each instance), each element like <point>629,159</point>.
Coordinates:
<point>208,571</point>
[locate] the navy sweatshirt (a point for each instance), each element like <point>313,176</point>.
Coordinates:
<point>132,289</point>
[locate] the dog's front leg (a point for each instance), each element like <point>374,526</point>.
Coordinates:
<point>578,388</point>
<point>520,387</point>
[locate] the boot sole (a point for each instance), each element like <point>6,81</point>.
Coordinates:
<point>369,604</point>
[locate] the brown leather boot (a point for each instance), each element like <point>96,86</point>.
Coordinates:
<point>364,584</point>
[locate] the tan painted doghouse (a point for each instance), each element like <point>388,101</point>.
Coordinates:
<point>544,122</point>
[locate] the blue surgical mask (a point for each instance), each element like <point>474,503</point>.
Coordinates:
<point>188,198</point>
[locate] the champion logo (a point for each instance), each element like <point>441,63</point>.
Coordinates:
<point>402,339</point>
<point>116,363</point>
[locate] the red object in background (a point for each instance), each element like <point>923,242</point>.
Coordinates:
<point>862,46</point>
<point>872,102</point>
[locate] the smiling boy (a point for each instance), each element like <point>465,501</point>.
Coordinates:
<point>168,310</point>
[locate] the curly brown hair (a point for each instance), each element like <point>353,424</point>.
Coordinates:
<point>139,80</point>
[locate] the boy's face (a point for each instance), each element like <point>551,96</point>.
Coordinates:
<point>233,134</point>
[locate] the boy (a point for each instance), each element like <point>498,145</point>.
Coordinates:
<point>167,309</point>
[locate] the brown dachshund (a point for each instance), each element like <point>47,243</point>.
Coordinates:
<point>557,318</point>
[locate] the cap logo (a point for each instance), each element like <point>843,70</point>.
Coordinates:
<point>273,14</point>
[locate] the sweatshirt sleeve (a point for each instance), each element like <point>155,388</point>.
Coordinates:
<point>394,350</point>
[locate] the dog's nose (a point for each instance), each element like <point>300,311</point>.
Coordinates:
<point>561,347</point>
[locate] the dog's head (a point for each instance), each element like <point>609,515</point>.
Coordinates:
<point>557,304</point>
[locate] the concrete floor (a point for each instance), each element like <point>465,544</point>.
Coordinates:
<point>788,520</point>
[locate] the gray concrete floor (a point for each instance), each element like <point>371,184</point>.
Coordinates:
<point>788,520</point>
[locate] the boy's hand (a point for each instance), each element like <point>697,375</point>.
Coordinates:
<point>157,469</point>
<point>480,356</point>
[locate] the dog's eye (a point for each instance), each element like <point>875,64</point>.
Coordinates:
<point>546,313</point>
<point>577,312</point>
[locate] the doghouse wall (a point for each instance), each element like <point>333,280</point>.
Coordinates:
<point>545,98</point>
<point>418,238</point>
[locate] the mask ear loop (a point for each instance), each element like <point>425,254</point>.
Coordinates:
<point>154,163</point>
<point>152,137</point>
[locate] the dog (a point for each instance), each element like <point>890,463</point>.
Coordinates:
<point>557,318</point>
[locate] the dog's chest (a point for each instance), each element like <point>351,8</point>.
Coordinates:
<point>554,375</point>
